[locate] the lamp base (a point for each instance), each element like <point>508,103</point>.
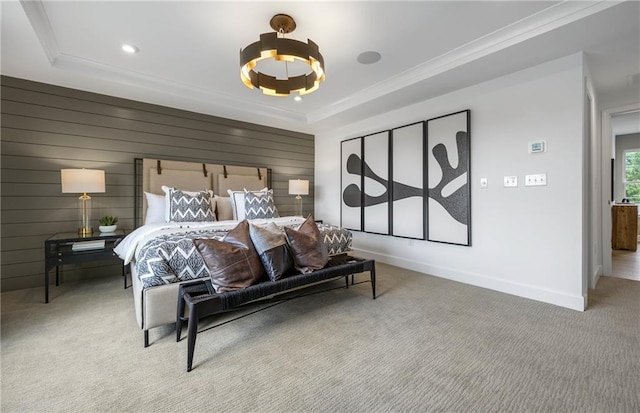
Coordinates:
<point>85,231</point>
<point>298,210</point>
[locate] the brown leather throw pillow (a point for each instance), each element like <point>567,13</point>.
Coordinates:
<point>307,247</point>
<point>271,245</point>
<point>233,262</point>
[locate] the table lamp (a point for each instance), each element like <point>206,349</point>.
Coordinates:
<point>81,181</point>
<point>298,187</point>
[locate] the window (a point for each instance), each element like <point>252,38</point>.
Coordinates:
<point>631,176</point>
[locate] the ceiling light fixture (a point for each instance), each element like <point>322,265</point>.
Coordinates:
<point>274,46</point>
<point>129,48</point>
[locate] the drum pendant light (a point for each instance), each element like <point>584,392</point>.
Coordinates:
<point>276,47</point>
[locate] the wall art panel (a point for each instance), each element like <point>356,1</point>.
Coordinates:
<point>407,160</point>
<point>448,168</point>
<point>351,187</point>
<point>376,183</point>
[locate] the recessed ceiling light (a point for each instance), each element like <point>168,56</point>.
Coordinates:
<point>369,57</point>
<point>297,98</point>
<point>129,48</point>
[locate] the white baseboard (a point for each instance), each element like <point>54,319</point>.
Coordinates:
<point>573,302</point>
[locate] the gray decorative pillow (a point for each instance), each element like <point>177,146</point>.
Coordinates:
<point>188,208</point>
<point>259,205</point>
<point>272,248</point>
<point>237,202</point>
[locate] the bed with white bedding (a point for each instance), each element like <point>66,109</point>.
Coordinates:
<point>161,254</point>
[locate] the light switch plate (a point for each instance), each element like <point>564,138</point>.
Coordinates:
<point>535,180</point>
<point>510,181</point>
<point>484,182</point>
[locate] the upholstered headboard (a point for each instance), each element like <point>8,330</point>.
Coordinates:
<point>152,174</point>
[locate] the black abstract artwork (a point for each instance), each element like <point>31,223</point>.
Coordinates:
<point>411,181</point>
<point>449,195</point>
<point>382,180</point>
<point>353,197</point>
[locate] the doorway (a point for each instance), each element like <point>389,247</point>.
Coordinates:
<point>615,122</point>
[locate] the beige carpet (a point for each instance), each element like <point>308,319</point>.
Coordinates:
<point>426,344</point>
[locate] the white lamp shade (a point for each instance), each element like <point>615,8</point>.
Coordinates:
<point>78,181</point>
<point>298,187</point>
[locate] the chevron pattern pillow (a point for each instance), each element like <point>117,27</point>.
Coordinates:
<point>260,205</point>
<point>190,208</point>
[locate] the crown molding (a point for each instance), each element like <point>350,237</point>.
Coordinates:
<point>42,26</point>
<point>539,23</point>
<point>219,104</point>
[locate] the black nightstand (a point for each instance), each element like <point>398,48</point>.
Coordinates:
<point>72,248</point>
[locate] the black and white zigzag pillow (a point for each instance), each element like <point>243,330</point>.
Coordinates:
<point>186,208</point>
<point>259,205</point>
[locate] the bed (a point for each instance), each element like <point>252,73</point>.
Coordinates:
<point>160,253</point>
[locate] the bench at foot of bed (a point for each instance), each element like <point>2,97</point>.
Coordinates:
<point>201,299</point>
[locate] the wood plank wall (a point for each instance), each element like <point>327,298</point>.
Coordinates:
<point>46,128</point>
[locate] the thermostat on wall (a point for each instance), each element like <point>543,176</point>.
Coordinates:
<point>538,146</point>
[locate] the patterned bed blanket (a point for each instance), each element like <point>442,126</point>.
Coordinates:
<point>168,255</point>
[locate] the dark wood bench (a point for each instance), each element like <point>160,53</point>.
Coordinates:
<point>202,300</point>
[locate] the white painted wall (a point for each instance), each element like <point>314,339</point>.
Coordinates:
<point>525,241</point>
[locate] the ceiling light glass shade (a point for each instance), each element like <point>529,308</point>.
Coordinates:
<point>270,46</point>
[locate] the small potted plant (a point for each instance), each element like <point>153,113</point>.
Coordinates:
<point>108,223</point>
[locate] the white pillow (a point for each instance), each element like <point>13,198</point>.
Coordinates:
<point>237,201</point>
<point>155,208</point>
<point>224,208</point>
<point>167,198</point>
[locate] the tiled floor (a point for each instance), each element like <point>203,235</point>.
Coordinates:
<point>626,264</point>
